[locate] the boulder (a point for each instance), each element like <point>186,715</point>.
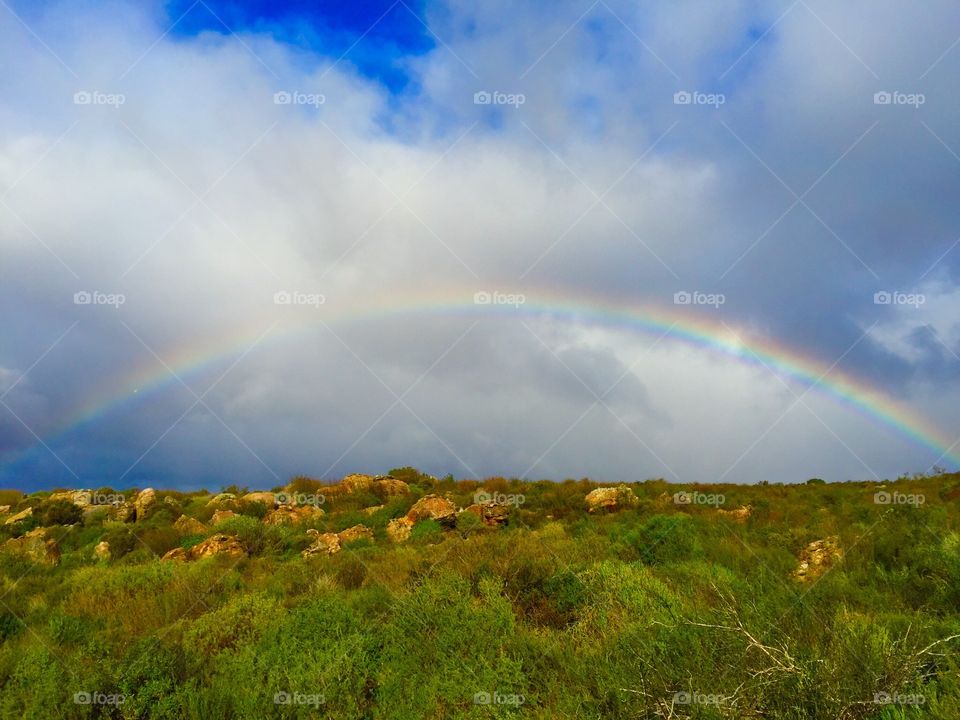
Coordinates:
<point>223,499</point>
<point>738,515</point>
<point>323,544</point>
<point>357,532</point>
<point>4,509</point>
<point>817,557</point>
<point>34,546</point>
<point>123,511</point>
<point>145,499</point>
<point>388,486</point>
<point>292,514</point>
<point>22,515</point>
<point>82,498</point>
<point>186,525</point>
<point>433,507</point>
<point>220,515</point>
<point>399,530</point>
<point>356,483</point>
<point>492,514</point>
<point>215,545</point>
<point>610,498</point>
<point>267,498</point>
<point>102,551</point>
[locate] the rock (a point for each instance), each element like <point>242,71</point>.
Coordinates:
<point>372,509</point>
<point>215,545</point>
<point>292,514</point>
<point>399,530</point>
<point>145,499</point>
<point>610,498</point>
<point>221,499</point>
<point>34,546</point>
<point>356,482</point>
<point>102,551</point>
<point>82,498</point>
<point>388,486</point>
<point>357,532</point>
<point>123,511</point>
<point>491,513</point>
<point>433,507</point>
<point>186,525</point>
<point>22,515</point>
<point>323,544</point>
<point>739,515</point>
<point>817,557</point>
<point>220,515</point>
<point>4,509</point>
<point>267,498</point>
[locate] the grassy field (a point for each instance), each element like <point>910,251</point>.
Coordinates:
<point>494,599</point>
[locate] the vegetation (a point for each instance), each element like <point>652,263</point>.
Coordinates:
<point>677,602</point>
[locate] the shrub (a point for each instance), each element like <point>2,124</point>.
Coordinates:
<point>60,512</point>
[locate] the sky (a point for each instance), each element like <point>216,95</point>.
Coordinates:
<point>685,240</point>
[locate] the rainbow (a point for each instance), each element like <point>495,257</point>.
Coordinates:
<point>700,330</point>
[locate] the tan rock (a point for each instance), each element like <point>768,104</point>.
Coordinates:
<point>34,546</point>
<point>123,511</point>
<point>356,482</point>
<point>267,498</point>
<point>220,515</point>
<point>102,551</point>
<point>215,545</point>
<point>433,507</point>
<point>357,532</point>
<point>492,514</point>
<point>610,498</point>
<point>399,530</point>
<point>223,499</point>
<point>145,499</point>
<point>292,514</point>
<point>738,515</point>
<point>372,509</point>
<point>817,557</point>
<point>22,515</point>
<point>82,498</point>
<point>186,525</point>
<point>388,486</point>
<point>4,509</point>
<point>323,544</point>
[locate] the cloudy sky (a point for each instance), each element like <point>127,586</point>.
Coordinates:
<point>241,243</point>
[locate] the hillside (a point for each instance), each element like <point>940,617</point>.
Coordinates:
<point>405,596</point>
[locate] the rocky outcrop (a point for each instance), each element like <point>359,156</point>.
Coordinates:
<point>81,498</point>
<point>738,515</point>
<point>357,532</point>
<point>34,546</point>
<point>145,500</point>
<point>186,525</point>
<point>388,486</point>
<point>492,514</point>
<point>102,551</point>
<point>123,511</point>
<point>356,482</point>
<point>399,530</point>
<point>323,544</point>
<point>220,515</point>
<point>817,557</point>
<point>223,500</point>
<point>433,507</point>
<point>214,546</point>
<point>610,498</point>
<point>266,498</point>
<point>292,514</point>
<point>22,515</point>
